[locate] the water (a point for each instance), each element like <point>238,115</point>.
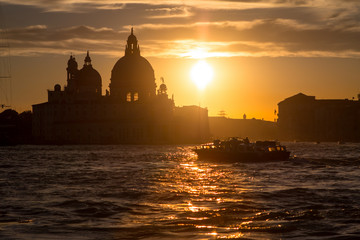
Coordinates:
<point>164,192</point>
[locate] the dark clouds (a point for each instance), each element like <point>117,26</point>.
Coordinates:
<point>257,28</point>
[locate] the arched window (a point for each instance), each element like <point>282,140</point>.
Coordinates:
<point>128,97</point>
<point>136,96</point>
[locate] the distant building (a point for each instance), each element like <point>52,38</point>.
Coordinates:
<point>255,129</point>
<point>305,118</point>
<point>15,128</point>
<point>133,111</point>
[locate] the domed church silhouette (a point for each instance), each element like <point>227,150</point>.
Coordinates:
<point>132,111</point>
<point>132,76</point>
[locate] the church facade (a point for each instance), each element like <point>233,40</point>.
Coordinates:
<point>133,110</point>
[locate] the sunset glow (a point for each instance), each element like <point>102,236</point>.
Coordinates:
<point>168,119</point>
<point>202,74</point>
<point>262,51</point>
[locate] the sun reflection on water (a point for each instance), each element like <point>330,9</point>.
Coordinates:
<point>199,186</point>
<point>209,200</point>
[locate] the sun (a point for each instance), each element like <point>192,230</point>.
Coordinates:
<point>201,74</point>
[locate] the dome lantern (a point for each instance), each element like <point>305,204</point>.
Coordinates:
<point>87,61</point>
<point>132,47</point>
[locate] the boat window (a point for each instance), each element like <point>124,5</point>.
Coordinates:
<point>271,149</point>
<point>136,96</point>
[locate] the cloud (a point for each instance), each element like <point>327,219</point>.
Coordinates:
<point>39,39</point>
<point>174,12</point>
<point>177,28</point>
<point>273,38</point>
<point>78,5</point>
<point>43,33</point>
<point>338,13</point>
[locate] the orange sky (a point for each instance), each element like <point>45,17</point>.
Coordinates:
<point>261,51</point>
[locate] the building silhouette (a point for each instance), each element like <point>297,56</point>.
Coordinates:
<point>305,118</point>
<point>133,110</point>
<point>255,129</point>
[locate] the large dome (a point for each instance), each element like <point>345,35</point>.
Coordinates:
<point>132,71</point>
<point>132,77</point>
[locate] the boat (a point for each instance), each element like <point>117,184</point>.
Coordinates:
<point>242,150</point>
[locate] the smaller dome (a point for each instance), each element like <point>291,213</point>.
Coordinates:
<point>57,88</point>
<point>163,87</point>
<point>88,76</point>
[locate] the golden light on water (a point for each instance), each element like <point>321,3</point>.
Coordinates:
<point>202,74</point>
<point>203,195</point>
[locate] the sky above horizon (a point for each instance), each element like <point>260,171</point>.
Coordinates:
<point>261,51</point>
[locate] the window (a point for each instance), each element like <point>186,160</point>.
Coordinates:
<point>128,97</point>
<point>136,96</point>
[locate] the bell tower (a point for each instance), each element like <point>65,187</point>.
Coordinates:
<point>72,71</point>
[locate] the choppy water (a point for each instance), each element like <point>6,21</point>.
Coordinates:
<point>163,192</point>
